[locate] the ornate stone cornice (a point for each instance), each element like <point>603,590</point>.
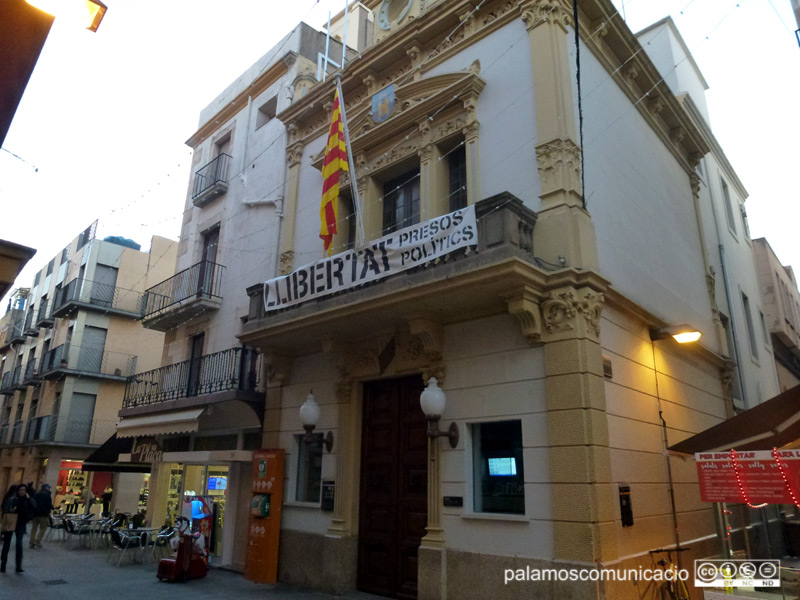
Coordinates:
<point>540,12</point>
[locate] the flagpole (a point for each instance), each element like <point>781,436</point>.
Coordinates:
<point>351,163</point>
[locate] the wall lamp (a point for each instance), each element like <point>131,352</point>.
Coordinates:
<point>432,401</point>
<point>309,417</point>
<point>87,13</point>
<point>683,334</point>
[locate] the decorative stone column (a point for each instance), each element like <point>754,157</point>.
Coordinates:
<point>564,227</point>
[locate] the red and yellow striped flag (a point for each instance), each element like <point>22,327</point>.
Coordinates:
<point>335,162</point>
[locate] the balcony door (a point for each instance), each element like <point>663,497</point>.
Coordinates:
<point>205,280</point>
<point>105,282</point>
<point>195,364</point>
<point>92,348</point>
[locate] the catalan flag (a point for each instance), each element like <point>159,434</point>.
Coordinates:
<point>335,162</point>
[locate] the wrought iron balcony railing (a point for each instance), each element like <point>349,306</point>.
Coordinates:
<point>199,282</point>
<point>16,433</point>
<point>31,376</point>
<point>7,384</point>
<point>211,180</point>
<point>16,336</point>
<point>41,429</point>
<point>69,359</point>
<point>16,378</point>
<point>71,430</point>
<point>94,295</point>
<point>43,317</point>
<point>233,369</point>
<point>30,329</point>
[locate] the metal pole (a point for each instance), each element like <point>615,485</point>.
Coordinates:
<point>351,163</point>
<point>327,46</point>
<point>344,37</point>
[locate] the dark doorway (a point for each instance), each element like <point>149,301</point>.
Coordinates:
<point>393,510</point>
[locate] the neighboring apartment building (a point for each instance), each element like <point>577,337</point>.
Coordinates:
<point>538,323</point>
<point>70,342</point>
<point>782,312</point>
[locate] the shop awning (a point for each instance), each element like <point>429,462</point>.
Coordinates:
<point>772,424</point>
<point>177,421</point>
<point>106,457</point>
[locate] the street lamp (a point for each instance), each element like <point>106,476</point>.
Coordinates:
<point>88,13</point>
<point>309,417</point>
<point>682,334</point>
<point>432,401</point>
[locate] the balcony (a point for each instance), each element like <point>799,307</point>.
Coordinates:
<point>91,295</point>
<point>499,274</point>
<point>16,433</point>
<point>29,328</point>
<point>4,434</point>
<point>66,430</point>
<point>69,359</point>
<point>16,378</point>
<point>31,375</point>
<point>211,180</point>
<point>183,296</point>
<point>7,384</point>
<point>16,336</point>
<point>41,429</point>
<point>43,317</point>
<point>235,369</point>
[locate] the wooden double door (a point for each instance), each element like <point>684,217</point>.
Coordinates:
<point>393,510</point>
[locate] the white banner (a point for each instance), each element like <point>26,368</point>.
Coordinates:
<point>399,251</point>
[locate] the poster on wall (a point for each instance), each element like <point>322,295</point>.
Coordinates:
<point>753,477</point>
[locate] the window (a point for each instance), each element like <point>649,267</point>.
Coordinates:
<point>36,278</point>
<point>266,112</point>
<point>309,468</point>
<point>498,470</point>
<point>401,202</point>
<point>50,266</point>
<point>457,167</point>
<point>751,332</point>
<point>764,328</point>
<point>726,196</point>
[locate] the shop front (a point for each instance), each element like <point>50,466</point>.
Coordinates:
<point>749,468</point>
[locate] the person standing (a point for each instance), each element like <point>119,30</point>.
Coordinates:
<point>107,494</point>
<point>41,519</point>
<point>88,498</point>
<point>17,509</point>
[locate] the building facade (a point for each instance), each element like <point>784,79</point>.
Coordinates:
<point>514,240</point>
<point>70,342</point>
<point>782,312</point>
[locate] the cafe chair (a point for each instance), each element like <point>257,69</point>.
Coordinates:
<point>56,527</point>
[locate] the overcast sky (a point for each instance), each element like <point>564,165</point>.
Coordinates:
<point>100,131</point>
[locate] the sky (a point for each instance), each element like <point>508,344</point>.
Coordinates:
<point>100,132</point>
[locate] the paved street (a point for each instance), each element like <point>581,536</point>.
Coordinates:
<point>75,573</point>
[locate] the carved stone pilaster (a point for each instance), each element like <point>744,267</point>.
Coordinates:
<point>294,153</point>
<point>573,312</point>
<point>559,164</point>
<point>471,130</point>
<point>437,371</point>
<point>539,12</point>
<point>287,262</point>
<point>425,153</point>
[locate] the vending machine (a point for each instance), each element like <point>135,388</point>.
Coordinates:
<point>263,533</point>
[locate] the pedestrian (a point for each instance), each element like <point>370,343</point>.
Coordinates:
<point>17,510</point>
<point>107,494</point>
<point>41,519</point>
<point>88,498</point>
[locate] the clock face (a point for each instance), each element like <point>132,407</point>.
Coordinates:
<point>392,11</point>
